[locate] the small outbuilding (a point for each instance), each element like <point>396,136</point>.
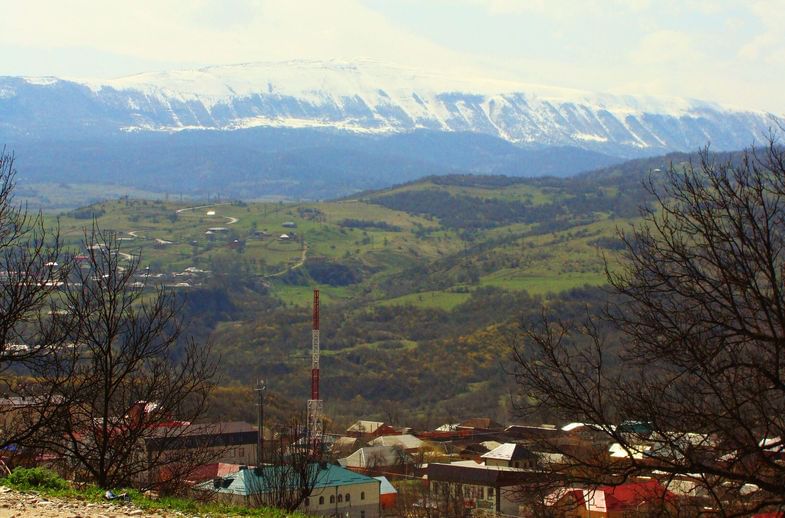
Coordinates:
<point>388,495</point>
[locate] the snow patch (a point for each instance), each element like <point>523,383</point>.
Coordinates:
<point>587,137</point>
<point>41,81</point>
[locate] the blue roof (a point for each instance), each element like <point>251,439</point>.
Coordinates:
<point>385,488</point>
<point>254,480</point>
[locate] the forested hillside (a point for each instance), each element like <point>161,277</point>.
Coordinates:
<point>423,285</point>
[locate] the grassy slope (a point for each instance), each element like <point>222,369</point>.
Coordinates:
<point>549,262</point>
<point>423,265</point>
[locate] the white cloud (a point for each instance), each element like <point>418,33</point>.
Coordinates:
<point>666,47</point>
<point>215,32</point>
<point>730,51</point>
<point>768,46</point>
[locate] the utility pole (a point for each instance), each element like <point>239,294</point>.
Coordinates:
<point>261,387</point>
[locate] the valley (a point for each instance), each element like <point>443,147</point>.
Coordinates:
<point>422,284</point>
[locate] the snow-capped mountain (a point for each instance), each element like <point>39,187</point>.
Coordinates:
<point>369,97</point>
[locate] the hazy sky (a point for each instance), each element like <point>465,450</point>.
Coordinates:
<point>727,51</point>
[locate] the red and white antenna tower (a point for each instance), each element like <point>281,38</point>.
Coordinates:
<point>315,404</point>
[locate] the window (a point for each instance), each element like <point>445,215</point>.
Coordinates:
<point>242,452</point>
<point>321,500</point>
<point>332,499</point>
<point>340,498</point>
<point>348,497</point>
<point>490,492</point>
<point>362,496</point>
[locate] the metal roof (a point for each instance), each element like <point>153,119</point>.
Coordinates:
<point>250,481</point>
<point>470,472</point>
<point>509,451</point>
<point>407,441</point>
<point>386,488</point>
<point>375,456</point>
<point>365,426</point>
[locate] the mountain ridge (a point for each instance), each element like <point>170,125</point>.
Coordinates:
<point>369,97</point>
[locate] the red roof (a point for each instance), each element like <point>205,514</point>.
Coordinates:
<point>632,494</point>
<point>211,471</point>
<point>626,496</point>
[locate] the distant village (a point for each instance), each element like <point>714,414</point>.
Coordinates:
<point>374,469</point>
<point>193,276</point>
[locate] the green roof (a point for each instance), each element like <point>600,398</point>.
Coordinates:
<point>255,480</point>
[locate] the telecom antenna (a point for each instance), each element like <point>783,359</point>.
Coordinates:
<point>315,404</point>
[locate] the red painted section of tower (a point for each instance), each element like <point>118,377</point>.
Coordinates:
<point>314,383</point>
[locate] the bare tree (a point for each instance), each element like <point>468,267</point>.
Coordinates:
<point>447,500</point>
<point>685,370</point>
<point>293,470</point>
<point>412,499</point>
<point>32,271</point>
<point>130,378</point>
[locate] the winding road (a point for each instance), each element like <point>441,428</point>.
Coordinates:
<point>292,267</point>
<point>201,207</point>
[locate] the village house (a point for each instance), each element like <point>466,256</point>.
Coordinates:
<point>233,442</point>
<point>336,492</point>
<point>388,495</point>
<point>644,498</point>
<point>533,434</point>
<point>378,460</point>
<point>511,455</point>
<point>407,442</point>
<point>343,446</point>
<point>369,430</point>
<point>477,486</point>
<point>480,425</point>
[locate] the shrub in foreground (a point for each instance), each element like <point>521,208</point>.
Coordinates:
<point>28,478</point>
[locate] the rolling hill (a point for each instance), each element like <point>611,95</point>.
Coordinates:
<point>421,283</point>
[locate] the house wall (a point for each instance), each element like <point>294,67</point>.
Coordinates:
<point>237,454</point>
<point>474,496</point>
<point>234,454</point>
<point>388,501</point>
<point>363,501</point>
<point>508,501</point>
<point>356,507</point>
<point>526,463</point>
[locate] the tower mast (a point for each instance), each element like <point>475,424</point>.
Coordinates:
<point>315,404</point>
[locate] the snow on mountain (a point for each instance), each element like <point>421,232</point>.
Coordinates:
<point>371,97</point>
